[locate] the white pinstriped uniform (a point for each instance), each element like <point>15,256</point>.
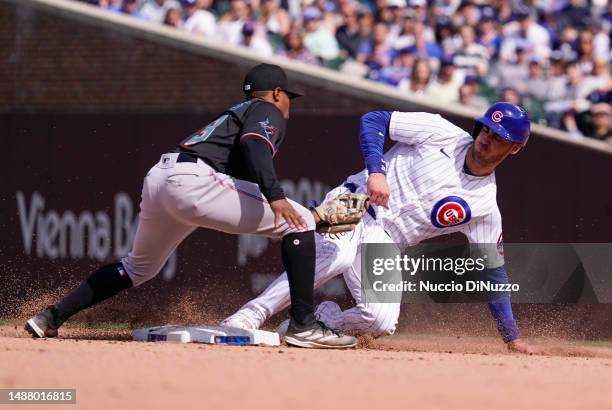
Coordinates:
<point>430,195</point>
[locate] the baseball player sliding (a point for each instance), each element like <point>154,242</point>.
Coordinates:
<point>437,179</point>
<point>222,177</point>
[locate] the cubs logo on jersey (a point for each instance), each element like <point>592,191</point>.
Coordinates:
<point>500,244</point>
<point>450,211</point>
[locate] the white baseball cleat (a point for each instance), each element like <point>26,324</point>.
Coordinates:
<point>239,321</point>
<point>318,336</point>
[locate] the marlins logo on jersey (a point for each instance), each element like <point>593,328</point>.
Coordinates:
<point>450,211</point>
<point>268,128</point>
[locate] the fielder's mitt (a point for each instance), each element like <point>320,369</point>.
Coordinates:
<point>342,213</point>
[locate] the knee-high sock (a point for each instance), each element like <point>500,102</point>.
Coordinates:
<point>101,285</point>
<point>299,254</point>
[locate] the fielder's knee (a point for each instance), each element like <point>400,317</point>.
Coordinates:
<point>138,274</point>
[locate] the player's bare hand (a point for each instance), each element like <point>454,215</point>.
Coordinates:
<point>518,346</point>
<point>378,189</point>
<point>283,209</point>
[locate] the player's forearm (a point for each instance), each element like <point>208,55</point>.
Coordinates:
<point>374,128</point>
<point>258,159</point>
<point>501,308</point>
<point>504,321</point>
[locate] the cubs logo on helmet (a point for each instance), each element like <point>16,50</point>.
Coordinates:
<point>497,116</point>
<point>507,120</point>
<point>450,211</point>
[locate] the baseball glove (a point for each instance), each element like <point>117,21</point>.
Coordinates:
<point>343,213</point>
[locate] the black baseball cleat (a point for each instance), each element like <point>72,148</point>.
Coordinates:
<point>318,336</point>
<point>42,325</point>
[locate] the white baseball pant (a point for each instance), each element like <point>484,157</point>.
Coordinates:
<point>336,254</point>
<point>179,197</point>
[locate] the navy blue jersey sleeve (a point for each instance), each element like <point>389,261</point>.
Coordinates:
<point>374,129</point>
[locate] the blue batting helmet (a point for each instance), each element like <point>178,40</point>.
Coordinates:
<point>507,120</point>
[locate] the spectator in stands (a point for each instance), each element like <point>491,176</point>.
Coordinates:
<point>445,7</point>
<point>560,109</point>
<point>489,37</point>
<point>511,95</point>
<point>229,28</point>
<point>468,14</point>
<point>131,8</point>
<point>526,28</point>
<point>198,19</point>
<point>472,57</point>
<point>419,10</point>
<point>384,13</point>
<point>156,10</point>
<point>320,41</point>
<point>514,73</point>
<point>111,5</point>
<point>401,68</point>
<point>566,43</point>
<point>173,18</point>
<point>602,124</point>
<point>425,48</point>
<point>599,79</point>
<point>444,35</point>
<point>348,34</point>
<point>575,13</point>
<point>274,18</point>
<point>295,50</point>
<point>396,9</point>
<point>405,37</point>
<point>505,12</point>
<point>585,52</point>
<point>601,39</point>
<point>556,77</point>
<point>377,53</point>
<point>468,98</point>
<point>327,8</point>
<point>445,88</point>
<point>419,78</point>
<point>536,85</point>
<point>254,38</point>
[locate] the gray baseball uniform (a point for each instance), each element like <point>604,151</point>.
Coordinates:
<point>178,197</point>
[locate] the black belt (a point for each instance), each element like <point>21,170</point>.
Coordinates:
<point>182,157</point>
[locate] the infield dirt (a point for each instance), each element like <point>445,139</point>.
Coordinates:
<point>404,371</point>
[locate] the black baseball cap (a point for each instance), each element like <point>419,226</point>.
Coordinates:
<point>266,77</point>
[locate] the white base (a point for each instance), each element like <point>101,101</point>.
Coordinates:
<point>206,334</point>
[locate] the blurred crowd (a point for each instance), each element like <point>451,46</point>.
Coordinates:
<point>550,56</point>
